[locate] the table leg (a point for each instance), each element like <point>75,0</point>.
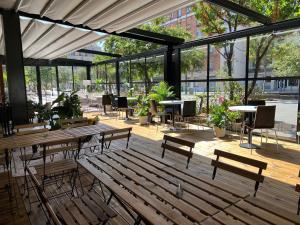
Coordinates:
<point>173,116</point>
<point>249,145</point>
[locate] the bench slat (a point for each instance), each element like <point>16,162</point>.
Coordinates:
<point>241,159</point>
<point>177,150</point>
<point>122,136</point>
<point>179,141</point>
<point>239,171</point>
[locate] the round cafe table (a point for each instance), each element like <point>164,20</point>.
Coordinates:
<point>248,109</point>
<point>173,103</point>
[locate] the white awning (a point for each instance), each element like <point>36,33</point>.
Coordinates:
<point>47,40</point>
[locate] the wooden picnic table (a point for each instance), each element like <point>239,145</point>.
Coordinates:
<point>147,185</point>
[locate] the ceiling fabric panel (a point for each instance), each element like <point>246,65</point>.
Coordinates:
<point>36,29</point>
<point>1,39</point>
<point>59,9</point>
<point>24,23</point>
<point>81,16</point>
<point>7,4</point>
<point>70,37</point>
<point>116,12</point>
<point>32,6</point>
<point>159,9</point>
<point>81,43</point>
<point>43,42</point>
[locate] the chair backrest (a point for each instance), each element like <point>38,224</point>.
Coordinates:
<point>257,177</point>
<point>171,142</point>
<point>256,102</point>
<point>106,100</point>
<point>75,122</point>
<point>297,189</point>
<point>265,117</point>
<point>122,102</point>
<point>115,134</point>
<point>6,120</point>
<point>153,107</point>
<point>31,128</point>
<point>189,109</point>
<point>113,100</point>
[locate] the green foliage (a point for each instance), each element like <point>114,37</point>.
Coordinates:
<point>143,105</point>
<point>286,59</point>
<point>68,106</point>
<point>161,92</point>
<point>218,115</point>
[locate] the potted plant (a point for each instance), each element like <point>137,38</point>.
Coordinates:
<point>217,118</point>
<point>143,109</point>
<point>161,92</point>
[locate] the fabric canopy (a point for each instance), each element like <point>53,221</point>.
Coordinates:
<point>48,40</point>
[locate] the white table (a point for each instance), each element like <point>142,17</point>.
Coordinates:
<point>173,103</point>
<point>249,109</point>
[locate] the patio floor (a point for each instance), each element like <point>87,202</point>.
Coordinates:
<point>278,187</point>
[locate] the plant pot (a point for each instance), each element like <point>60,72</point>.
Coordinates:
<point>143,120</point>
<point>219,132</point>
<point>236,126</point>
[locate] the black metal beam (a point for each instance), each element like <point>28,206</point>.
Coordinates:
<point>56,62</point>
<point>38,84</point>
<point>15,66</point>
<point>137,34</point>
<point>232,6</point>
<point>88,51</point>
<point>283,25</point>
<point>134,56</point>
<point>118,77</point>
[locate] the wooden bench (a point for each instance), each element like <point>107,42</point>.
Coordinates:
<point>87,209</point>
<point>298,190</point>
<point>75,122</point>
<point>257,177</point>
<point>31,128</point>
<point>176,149</point>
<point>115,134</point>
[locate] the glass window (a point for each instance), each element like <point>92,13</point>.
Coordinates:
<point>65,79</point>
<point>48,84</point>
<point>179,13</point>
<point>31,83</point>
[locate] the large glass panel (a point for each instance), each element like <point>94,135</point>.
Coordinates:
<point>138,75</point>
<point>125,80</point>
<point>48,84</point>
<point>79,76</point>
<point>194,64</point>
<point>65,79</point>
<point>31,83</point>
<point>228,60</point>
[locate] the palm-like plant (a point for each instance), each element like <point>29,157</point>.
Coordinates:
<point>161,92</point>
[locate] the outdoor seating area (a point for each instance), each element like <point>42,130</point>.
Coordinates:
<point>143,112</point>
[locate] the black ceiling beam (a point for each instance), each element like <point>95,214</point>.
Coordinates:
<point>146,54</point>
<point>88,51</point>
<point>232,6</point>
<point>54,62</point>
<point>147,36</point>
<point>264,29</point>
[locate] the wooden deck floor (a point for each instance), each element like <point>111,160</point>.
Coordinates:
<point>278,188</point>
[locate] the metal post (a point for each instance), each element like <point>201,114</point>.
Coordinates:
<point>130,76</point>
<point>118,78</point>
<point>57,79</point>
<point>207,78</point>
<point>145,75</point>
<point>73,79</point>
<point>39,85</point>
<point>106,78</point>
<point>15,66</point>
<point>247,70</point>
<point>88,72</point>
<point>298,116</point>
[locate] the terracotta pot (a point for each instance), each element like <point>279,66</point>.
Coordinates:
<point>219,132</point>
<point>143,120</point>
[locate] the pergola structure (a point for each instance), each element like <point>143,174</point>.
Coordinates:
<point>39,32</point>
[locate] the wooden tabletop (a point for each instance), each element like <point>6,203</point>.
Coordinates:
<point>243,108</point>
<point>50,136</point>
<point>148,185</point>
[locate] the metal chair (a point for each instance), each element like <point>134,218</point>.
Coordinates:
<point>156,114</point>
<point>264,119</point>
<point>122,106</point>
<point>188,113</point>
<point>106,100</point>
<point>6,120</point>
<point>298,190</point>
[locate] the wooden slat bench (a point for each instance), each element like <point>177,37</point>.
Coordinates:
<point>257,177</point>
<point>87,209</point>
<point>115,134</point>
<point>73,123</point>
<point>179,150</point>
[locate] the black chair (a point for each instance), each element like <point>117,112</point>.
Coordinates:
<point>6,120</point>
<point>122,106</point>
<point>264,119</point>
<point>188,113</point>
<point>298,190</point>
<point>156,114</point>
<point>106,100</point>
<point>248,117</point>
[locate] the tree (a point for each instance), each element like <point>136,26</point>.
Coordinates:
<point>215,20</point>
